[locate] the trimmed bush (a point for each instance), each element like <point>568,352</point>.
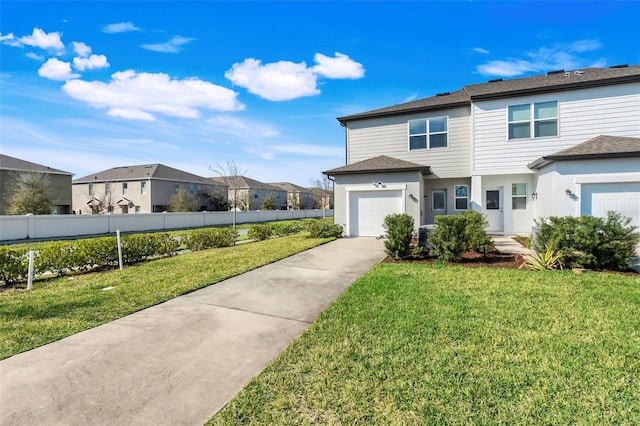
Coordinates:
<point>138,247</point>
<point>58,257</point>
<point>282,229</point>
<point>454,235</point>
<point>399,232</point>
<point>14,265</point>
<point>260,232</point>
<point>322,228</point>
<point>202,239</point>
<point>587,241</point>
<point>102,251</point>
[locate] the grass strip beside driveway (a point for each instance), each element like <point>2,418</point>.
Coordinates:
<point>59,307</point>
<point>417,344</point>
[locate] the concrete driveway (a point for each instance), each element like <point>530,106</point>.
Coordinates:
<point>180,362</point>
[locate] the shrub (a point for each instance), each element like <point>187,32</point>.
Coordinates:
<point>260,232</point>
<point>540,261</point>
<point>454,235</point>
<point>202,239</point>
<point>101,251</point>
<point>587,241</point>
<point>282,229</point>
<point>166,244</point>
<point>58,257</point>
<point>399,232</point>
<point>14,265</point>
<point>138,247</point>
<point>322,228</point>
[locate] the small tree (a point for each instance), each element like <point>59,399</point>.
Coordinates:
<point>183,201</point>
<point>229,173</point>
<point>268,204</point>
<point>29,193</point>
<point>217,199</point>
<point>323,188</point>
<point>399,229</point>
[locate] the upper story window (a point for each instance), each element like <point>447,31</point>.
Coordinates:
<point>540,118</point>
<point>192,188</point>
<point>125,186</point>
<point>176,188</point>
<point>91,190</point>
<point>143,187</point>
<point>428,133</point>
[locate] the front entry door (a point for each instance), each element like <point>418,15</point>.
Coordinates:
<point>494,209</point>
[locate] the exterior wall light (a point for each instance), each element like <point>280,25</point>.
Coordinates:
<point>568,192</point>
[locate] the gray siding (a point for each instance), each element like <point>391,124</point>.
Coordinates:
<point>583,115</point>
<point>389,136</point>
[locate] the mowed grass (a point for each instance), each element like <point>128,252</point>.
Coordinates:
<point>60,307</point>
<point>416,344</point>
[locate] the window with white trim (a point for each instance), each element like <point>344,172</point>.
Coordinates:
<point>536,120</point>
<point>125,186</point>
<point>143,187</point>
<point>428,133</point>
<point>519,196</point>
<point>461,197</point>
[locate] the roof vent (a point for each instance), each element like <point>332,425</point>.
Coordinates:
<point>443,94</point>
<point>578,72</point>
<point>555,72</point>
<point>495,80</point>
<point>619,66</point>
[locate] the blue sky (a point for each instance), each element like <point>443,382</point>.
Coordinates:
<point>86,86</point>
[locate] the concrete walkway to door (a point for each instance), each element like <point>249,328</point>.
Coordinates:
<point>179,362</point>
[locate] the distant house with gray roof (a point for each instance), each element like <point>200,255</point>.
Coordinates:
<point>249,194</point>
<point>145,188</point>
<point>298,198</point>
<point>12,168</point>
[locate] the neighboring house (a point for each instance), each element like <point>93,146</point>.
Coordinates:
<point>322,198</point>
<point>249,194</point>
<point>13,168</point>
<point>146,188</point>
<point>298,198</point>
<point>563,143</point>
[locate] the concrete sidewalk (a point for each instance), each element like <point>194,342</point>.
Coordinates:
<point>179,362</point>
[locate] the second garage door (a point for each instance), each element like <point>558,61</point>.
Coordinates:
<point>623,198</point>
<point>368,210</point>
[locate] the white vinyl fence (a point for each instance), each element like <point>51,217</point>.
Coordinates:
<point>56,226</point>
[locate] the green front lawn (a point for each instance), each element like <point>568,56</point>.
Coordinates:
<point>60,307</point>
<point>416,344</point>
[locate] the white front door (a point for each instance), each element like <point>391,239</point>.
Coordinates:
<point>494,207</point>
<point>369,208</point>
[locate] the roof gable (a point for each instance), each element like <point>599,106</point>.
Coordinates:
<point>381,163</point>
<point>17,165</point>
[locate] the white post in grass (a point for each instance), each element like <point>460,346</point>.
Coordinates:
<point>30,273</point>
<point>119,249</point>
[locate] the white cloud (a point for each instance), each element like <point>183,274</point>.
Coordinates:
<point>172,46</point>
<point>55,69</point>
<point>279,81</point>
<point>557,56</point>
<point>39,38</point>
<point>81,49</point>
<point>285,80</point>
<point>92,62</point>
<point>339,67</point>
<point>34,56</point>
<point>138,96</point>
<point>481,50</point>
<point>6,37</point>
<point>120,27</point>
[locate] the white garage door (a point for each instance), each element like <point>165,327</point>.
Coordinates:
<point>368,209</point>
<point>623,198</point>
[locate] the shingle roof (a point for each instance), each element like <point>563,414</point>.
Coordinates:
<point>550,82</point>
<point>381,163</point>
<point>17,165</point>
<point>142,171</point>
<point>289,187</point>
<point>245,182</point>
<point>602,146</point>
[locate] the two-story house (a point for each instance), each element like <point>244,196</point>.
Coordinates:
<point>12,168</point>
<point>563,143</point>
<point>298,198</point>
<point>249,194</point>
<point>145,188</point>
